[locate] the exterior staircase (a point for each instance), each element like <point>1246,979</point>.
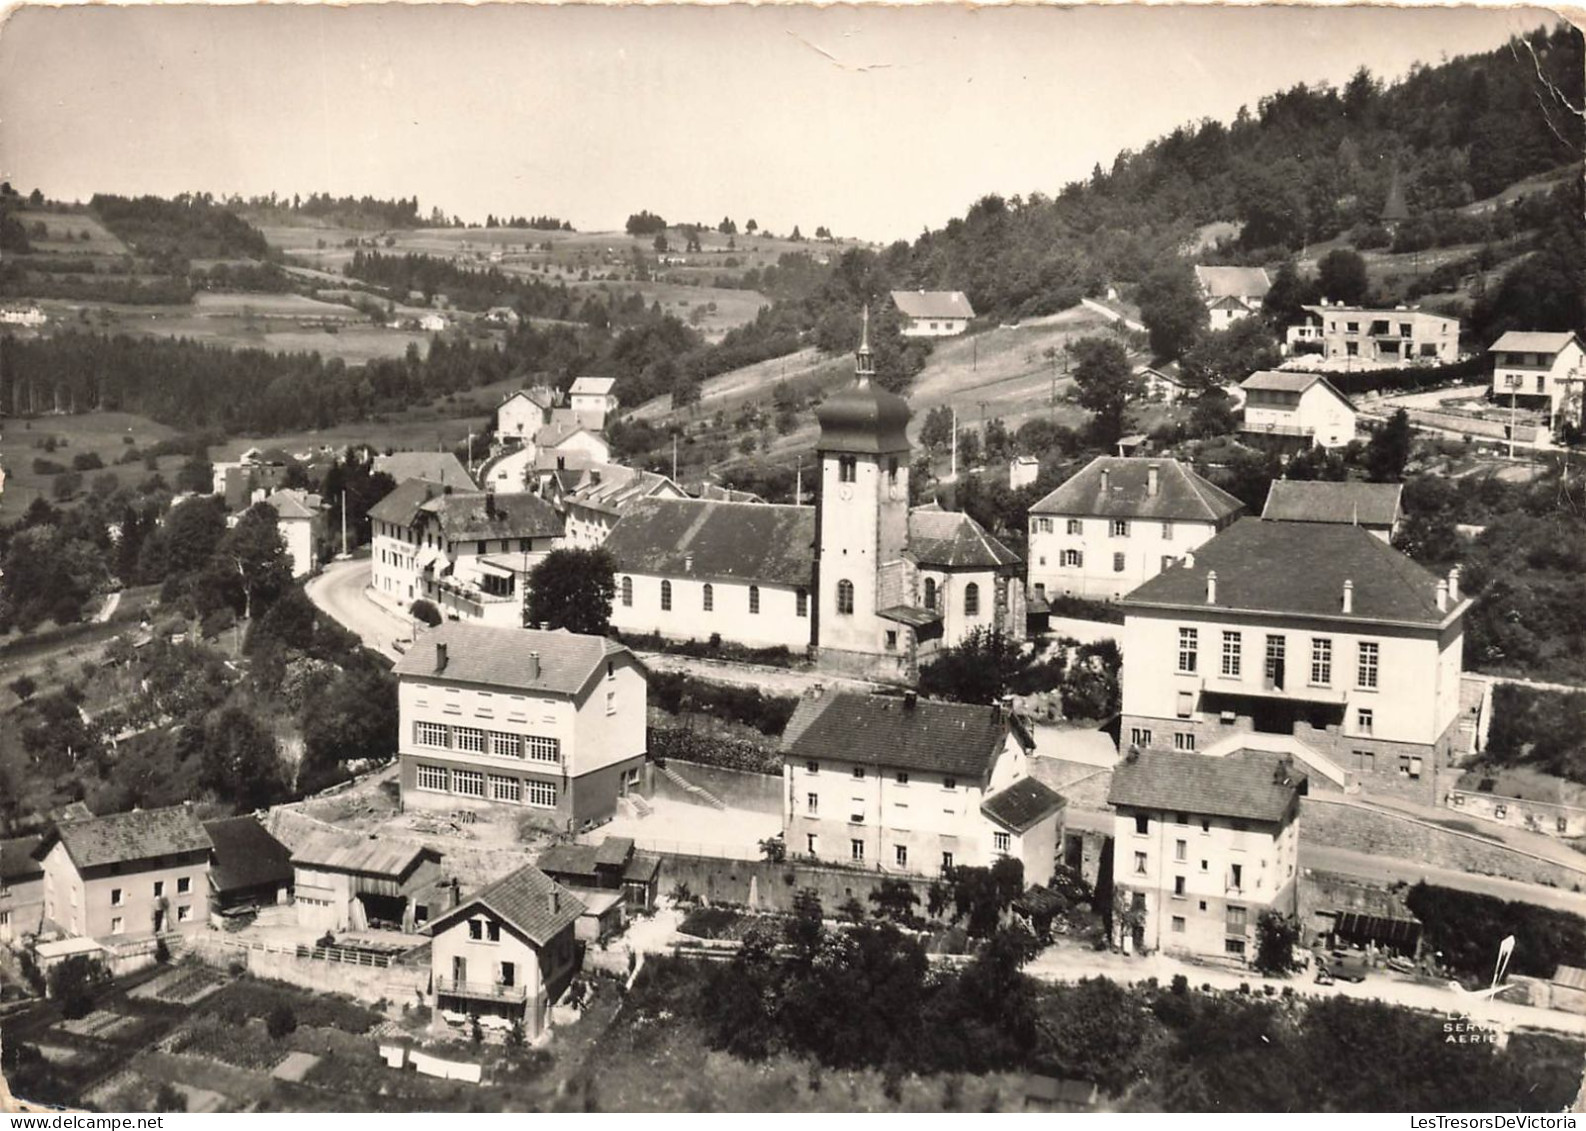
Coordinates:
<point>695,793</point>
<point>640,806</point>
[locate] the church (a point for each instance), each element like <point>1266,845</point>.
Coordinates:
<point>861,582</point>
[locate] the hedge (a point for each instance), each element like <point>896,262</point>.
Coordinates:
<point>675,692</point>
<point>1472,371</point>
<point>1468,929</point>
<point>725,753</point>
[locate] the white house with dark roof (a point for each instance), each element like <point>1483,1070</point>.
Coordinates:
<point>592,499</point>
<point>1202,846</point>
<point>933,314</point>
<point>524,412</point>
<point>1541,371</point>
<point>21,889</point>
<point>594,400</point>
<point>1316,640</point>
<point>1232,293</point>
<point>1296,410</point>
<point>552,723</point>
<point>1373,506</point>
<point>1118,522</point>
<point>914,786</point>
<point>564,444</point>
<point>296,514</point>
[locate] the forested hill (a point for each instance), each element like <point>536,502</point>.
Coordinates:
<point>1309,164</point>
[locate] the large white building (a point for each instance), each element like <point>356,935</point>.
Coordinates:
<point>1540,371</point>
<point>1316,640</point>
<point>916,786</point>
<point>1378,335</point>
<point>1118,523</point>
<point>593,400</point>
<point>933,314</point>
<point>1202,846</point>
<point>552,723</point>
<point>1296,410</point>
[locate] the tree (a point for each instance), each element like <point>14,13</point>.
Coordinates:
<point>1389,449</point>
<point>796,236</point>
<point>250,568</point>
<point>1172,309</point>
<point>572,589</point>
<point>75,983</point>
<point>168,1099</point>
<point>1228,356</point>
<point>1341,276</point>
<point>281,1021</point>
<point>1104,385</point>
<point>1285,300</point>
<point>425,612</point>
<point>240,761</point>
<point>895,899</point>
<point>1276,937</point>
<point>354,719</point>
<point>751,227</point>
<point>660,243</point>
<point>979,669</point>
<point>937,431</point>
<point>23,687</point>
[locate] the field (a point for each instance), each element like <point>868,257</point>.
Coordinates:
<point>65,235</point>
<point>100,433</point>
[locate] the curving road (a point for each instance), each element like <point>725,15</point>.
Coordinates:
<point>340,593</point>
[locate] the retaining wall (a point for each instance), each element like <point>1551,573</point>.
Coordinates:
<point>771,887</point>
<point>366,983</point>
<point>739,789</point>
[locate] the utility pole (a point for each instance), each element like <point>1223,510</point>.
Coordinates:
<point>344,522</point>
<point>953,476</point>
<point>974,347</point>
<point>798,481</point>
<point>674,457</point>
<point>1512,383</point>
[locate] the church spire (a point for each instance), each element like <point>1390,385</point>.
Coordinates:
<point>864,367</point>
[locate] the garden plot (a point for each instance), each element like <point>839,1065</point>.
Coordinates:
<point>103,1024</point>
<point>183,986</point>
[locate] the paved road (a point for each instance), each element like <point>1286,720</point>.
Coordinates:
<point>1388,869</point>
<point>339,593</point>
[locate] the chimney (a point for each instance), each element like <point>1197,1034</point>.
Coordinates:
<point>555,899</point>
<point>1151,478</point>
<point>688,563</point>
<point>1349,595</point>
<point>534,664</point>
<point>1211,588</point>
<point>1453,585</point>
<point>909,699</point>
<point>1282,772</point>
<point>490,500</point>
<point>820,689</point>
<point>1442,596</point>
<point>440,655</point>
<point>1104,478</point>
<point>1189,560</point>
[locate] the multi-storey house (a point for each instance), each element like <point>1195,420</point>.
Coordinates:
<point>1232,293</point>
<point>592,499</point>
<point>21,889</point>
<point>1296,410</point>
<point>1119,522</point>
<point>1202,846</point>
<point>1313,639</point>
<point>593,401</point>
<point>1380,336</point>
<point>1540,371</point>
<point>914,786</point>
<point>549,722</point>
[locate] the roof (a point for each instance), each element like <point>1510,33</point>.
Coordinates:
<point>560,430</point>
<point>1534,341</point>
<point>1023,805</point>
<point>479,515</point>
<point>1182,495</point>
<point>751,542</point>
<point>16,859</point>
<point>403,504</point>
<point>127,837</point>
<point>246,855</point>
<point>437,467</point>
<point>933,304</point>
<point>290,504</point>
<point>610,487</point>
<point>863,417</point>
<point>1285,381</point>
<point>893,731</point>
<point>524,901</point>
<point>584,860</point>
<point>1299,569</point>
<point>1251,786</point>
<point>367,855</point>
<point>716,493</point>
<point>593,386</point>
<point>1368,504</point>
<point>953,540</point>
<point>1233,282</point>
<point>614,850</point>
<point>1376,312</point>
<point>523,658</point>
<point>1570,977</point>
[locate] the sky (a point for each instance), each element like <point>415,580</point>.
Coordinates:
<point>875,122</point>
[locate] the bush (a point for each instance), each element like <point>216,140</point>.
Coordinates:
<point>87,461</point>
<point>47,467</point>
<point>676,693</point>
<point>1468,928</point>
<point>281,1022</point>
<point>425,612</point>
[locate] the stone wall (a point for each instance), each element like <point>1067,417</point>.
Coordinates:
<point>739,789</point>
<point>366,983</point>
<point>771,887</point>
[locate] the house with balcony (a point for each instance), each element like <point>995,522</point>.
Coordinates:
<point>914,786</point>
<point>21,889</point>
<point>506,951</point>
<point>1232,293</point>
<point>127,876</point>
<point>1294,411</point>
<point>1118,522</point>
<point>1314,640</point>
<point>933,314</point>
<point>1542,372</point>
<point>548,723</point>
<point>1202,846</point>
<point>1378,336</point>
<point>1373,506</point>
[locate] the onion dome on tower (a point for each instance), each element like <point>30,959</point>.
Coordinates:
<point>863,418</point>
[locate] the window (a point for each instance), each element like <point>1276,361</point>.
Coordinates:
<point>1117,563</point>
<point>1181,850</point>
<point>611,702</point>
<point>947,861</point>
<point>845,598</point>
<point>1206,825</point>
<point>1178,924</point>
<point>1363,720</point>
<point>117,925</point>
<point>754,600</point>
<point>892,470</point>
<point>1365,761</point>
<point>801,603</point>
<point>892,640</point>
<point>856,850</point>
<point>1073,558</point>
<point>1167,561</point>
<point>543,749</point>
<point>1142,824</point>
<point>971,600</point>
<point>1274,665</point>
<point>470,739</point>
<point>1120,528</point>
<point>432,778</point>
<point>813,803</point>
<point>430,734</point>
<point>468,783</point>
<point>1186,704</point>
<point>1001,842</point>
<point>184,913</point>
<point>809,843</point>
<point>505,789</point>
<point>1139,863</point>
<point>1237,946</point>
<point>542,794</point>
<point>184,885</point>
<point>1178,887</point>
<point>1236,877</point>
<point>1231,653</point>
<point>708,594</point>
<point>1188,641</point>
<point>1139,737</point>
<point>1075,526</point>
<point>847,469</point>
<point>115,897</point>
<point>476,930</point>
<point>666,596</point>
<point>505,745</point>
<point>812,767</point>
<point>1321,660</point>
<point>1167,532</point>
<point>900,853</point>
<point>859,773</point>
<point>1352,349</point>
<point>627,592</point>
<point>1044,525</point>
<point>1366,676</point>
<point>930,593</point>
<point>508,975</point>
<point>902,777</point>
<point>1236,918</point>
<point>1409,767</point>
<point>949,783</point>
<point>159,890</point>
<point>1183,740</point>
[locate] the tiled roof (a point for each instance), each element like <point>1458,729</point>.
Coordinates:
<point>138,835</point>
<point>480,515</point>
<point>594,386</point>
<point>1369,504</point>
<point>581,860</point>
<point>750,542</point>
<point>437,467</point>
<point>508,657</point>
<point>952,540</point>
<point>524,901</point>
<point>1571,977</point>
<point>366,855</point>
<point>617,486</point>
<point>1250,786</point>
<point>881,730</point>
<point>1299,569</point>
<point>1182,495</point>
<point>561,429</point>
<point>16,859</point>
<point>290,504</point>
<point>1284,381</point>
<point>1534,341</point>
<point>1023,805</point>
<point>402,505</point>
<point>1223,282</point>
<point>246,855</point>
<point>933,304</point>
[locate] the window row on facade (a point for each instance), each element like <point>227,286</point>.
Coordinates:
<point>1116,527</point>
<point>475,740</point>
<point>1001,843</point>
<point>1368,656</point>
<point>485,786</point>
<point>708,597</point>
